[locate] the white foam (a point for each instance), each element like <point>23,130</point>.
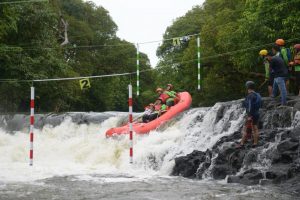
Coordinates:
<point>72,149</point>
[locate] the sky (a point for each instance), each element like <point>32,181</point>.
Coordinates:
<point>145,20</point>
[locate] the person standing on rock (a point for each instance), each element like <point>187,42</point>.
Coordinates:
<point>296,64</point>
<point>252,104</point>
<point>280,50</point>
<point>269,76</point>
<point>280,75</point>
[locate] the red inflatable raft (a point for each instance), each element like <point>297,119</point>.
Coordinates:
<point>184,103</point>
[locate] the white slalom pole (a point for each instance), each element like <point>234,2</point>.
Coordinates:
<point>130,123</point>
<point>137,70</point>
<point>31,126</point>
<point>199,66</point>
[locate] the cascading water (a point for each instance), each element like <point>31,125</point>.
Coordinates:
<point>73,148</point>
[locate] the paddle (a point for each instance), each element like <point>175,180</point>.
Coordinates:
<point>262,84</point>
<point>138,117</point>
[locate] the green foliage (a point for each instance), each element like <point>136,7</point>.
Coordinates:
<point>30,38</point>
<point>232,33</point>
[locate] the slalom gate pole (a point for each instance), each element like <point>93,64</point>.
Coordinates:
<point>130,123</point>
<point>31,126</point>
<point>199,66</point>
<point>137,69</point>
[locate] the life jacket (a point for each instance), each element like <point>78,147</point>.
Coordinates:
<point>163,97</point>
<point>171,93</point>
<point>176,100</point>
<point>161,108</point>
<point>286,55</point>
<point>157,108</point>
<point>297,62</point>
<point>267,68</point>
<point>172,96</point>
<point>297,58</point>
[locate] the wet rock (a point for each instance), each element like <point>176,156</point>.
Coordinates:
<point>265,182</point>
<point>187,166</point>
<point>235,136</point>
<point>220,171</point>
<point>204,165</point>
<point>287,145</point>
<point>249,177</point>
<point>279,173</point>
<point>297,106</point>
<point>275,160</point>
<point>292,185</point>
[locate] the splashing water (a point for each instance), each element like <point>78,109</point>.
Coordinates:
<point>71,148</point>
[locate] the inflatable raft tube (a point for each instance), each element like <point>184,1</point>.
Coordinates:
<point>184,103</point>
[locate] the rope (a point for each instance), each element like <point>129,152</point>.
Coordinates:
<point>29,1</point>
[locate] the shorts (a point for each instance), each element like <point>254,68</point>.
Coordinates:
<point>255,120</point>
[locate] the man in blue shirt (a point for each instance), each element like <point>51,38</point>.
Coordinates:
<point>280,71</point>
<point>252,104</point>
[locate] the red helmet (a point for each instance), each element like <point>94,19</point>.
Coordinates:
<point>280,42</point>
<point>297,46</point>
<point>170,85</point>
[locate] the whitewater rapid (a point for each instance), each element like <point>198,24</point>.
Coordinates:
<point>82,149</point>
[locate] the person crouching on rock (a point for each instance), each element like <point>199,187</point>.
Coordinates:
<point>252,104</point>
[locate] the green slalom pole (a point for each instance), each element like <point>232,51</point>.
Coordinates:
<point>137,70</point>
<point>199,64</point>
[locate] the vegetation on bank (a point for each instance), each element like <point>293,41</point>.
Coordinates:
<point>32,46</point>
<point>31,37</point>
<point>232,34</point>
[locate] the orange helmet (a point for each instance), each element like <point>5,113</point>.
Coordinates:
<point>280,42</point>
<point>159,90</point>
<point>170,85</point>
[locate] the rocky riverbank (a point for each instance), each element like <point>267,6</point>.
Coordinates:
<point>275,160</point>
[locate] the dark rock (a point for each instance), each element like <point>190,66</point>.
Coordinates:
<point>221,171</point>
<point>276,158</point>
<point>204,165</point>
<point>187,166</point>
<point>265,182</point>
<point>249,177</point>
<point>286,157</point>
<point>296,132</point>
<point>287,145</point>
<point>235,136</point>
<point>279,173</point>
<point>292,185</point>
<point>297,106</point>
